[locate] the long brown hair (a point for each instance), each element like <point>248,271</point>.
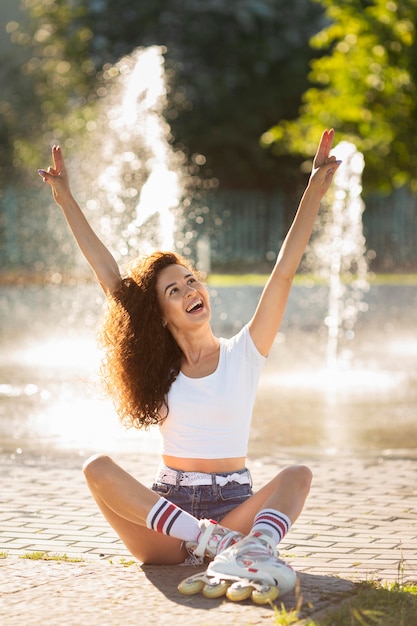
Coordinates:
<point>142,359</point>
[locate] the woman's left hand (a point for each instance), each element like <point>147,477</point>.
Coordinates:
<point>324,165</point>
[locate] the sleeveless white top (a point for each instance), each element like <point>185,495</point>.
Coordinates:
<point>210,417</point>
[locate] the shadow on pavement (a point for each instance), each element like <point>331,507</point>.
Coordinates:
<point>313,593</point>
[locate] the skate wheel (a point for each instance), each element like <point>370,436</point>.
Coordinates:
<point>265,594</point>
<point>239,591</point>
<point>190,586</point>
<point>216,589</point>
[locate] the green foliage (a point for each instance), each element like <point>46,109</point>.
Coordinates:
<point>45,556</point>
<point>374,605</point>
<point>282,617</point>
<point>233,67</point>
<point>51,95</point>
<point>365,87</point>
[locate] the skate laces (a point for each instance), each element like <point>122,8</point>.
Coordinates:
<point>257,546</point>
<point>263,540</point>
<point>213,539</point>
<point>192,559</point>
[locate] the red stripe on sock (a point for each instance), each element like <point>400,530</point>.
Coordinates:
<point>268,518</point>
<point>164,517</point>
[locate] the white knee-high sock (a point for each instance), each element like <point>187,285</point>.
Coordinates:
<point>273,523</point>
<point>167,518</point>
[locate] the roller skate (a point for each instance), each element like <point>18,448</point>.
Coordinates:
<point>212,539</point>
<point>248,569</point>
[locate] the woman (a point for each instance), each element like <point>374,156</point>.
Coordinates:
<point>165,366</point>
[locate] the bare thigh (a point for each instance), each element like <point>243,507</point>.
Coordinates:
<point>125,503</point>
<point>286,492</point>
<point>145,545</point>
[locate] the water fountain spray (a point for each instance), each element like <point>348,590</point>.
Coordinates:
<point>139,186</point>
<point>340,253</point>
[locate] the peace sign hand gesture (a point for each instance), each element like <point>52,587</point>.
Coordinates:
<point>57,177</point>
<point>324,165</point>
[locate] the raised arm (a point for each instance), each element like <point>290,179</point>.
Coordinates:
<point>269,313</point>
<point>98,256</point>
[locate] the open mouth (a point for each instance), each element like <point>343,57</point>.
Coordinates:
<point>197,305</point>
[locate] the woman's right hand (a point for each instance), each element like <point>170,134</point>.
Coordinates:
<point>57,177</point>
<point>98,256</point>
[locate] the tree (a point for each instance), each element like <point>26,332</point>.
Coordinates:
<point>234,68</point>
<point>51,91</point>
<point>365,87</point>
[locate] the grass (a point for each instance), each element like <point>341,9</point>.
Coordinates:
<point>372,605</point>
<point>213,280</point>
<point>259,280</point>
<point>128,563</point>
<point>393,279</point>
<point>64,558</point>
<point>236,280</point>
<point>45,556</point>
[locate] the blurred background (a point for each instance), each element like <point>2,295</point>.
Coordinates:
<point>192,125</point>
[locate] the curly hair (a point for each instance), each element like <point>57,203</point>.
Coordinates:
<point>142,359</point>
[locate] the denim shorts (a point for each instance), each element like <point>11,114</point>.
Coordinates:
<point>206,501</point>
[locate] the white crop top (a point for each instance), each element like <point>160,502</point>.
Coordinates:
<point>209,417</point>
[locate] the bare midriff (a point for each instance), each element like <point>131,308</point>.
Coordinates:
<point>208,466</point>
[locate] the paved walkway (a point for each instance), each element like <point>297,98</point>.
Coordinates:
<point>360,523</point>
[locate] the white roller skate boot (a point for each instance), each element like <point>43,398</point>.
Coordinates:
<point>252,569</point>
<point>212,540</point>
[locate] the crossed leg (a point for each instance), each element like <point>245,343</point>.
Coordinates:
<point>125,504</point>
<point>287,493</point>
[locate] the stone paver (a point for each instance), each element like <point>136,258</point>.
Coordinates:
<point>359,523</point>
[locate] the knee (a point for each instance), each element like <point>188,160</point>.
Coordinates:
<point>306,476</point>
<point>96,468</point>
<point>300,477</point>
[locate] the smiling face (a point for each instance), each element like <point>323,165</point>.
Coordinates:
<point>183,299</point>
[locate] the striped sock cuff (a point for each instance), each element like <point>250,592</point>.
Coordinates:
<point>163,517</point>
<point>274,521</point>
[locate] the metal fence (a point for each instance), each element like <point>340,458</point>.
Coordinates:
<point>246,229</point>
<point>390,228</point>
<point>242,229</point>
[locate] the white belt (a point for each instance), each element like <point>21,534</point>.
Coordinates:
<point>171,476</point>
